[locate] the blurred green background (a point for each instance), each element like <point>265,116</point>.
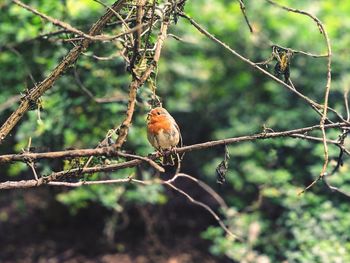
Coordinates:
<point>212,95</point>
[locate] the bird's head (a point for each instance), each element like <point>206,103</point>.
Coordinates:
<point>157,113</point>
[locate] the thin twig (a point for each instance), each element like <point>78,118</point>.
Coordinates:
<point>333,188</point>
<point>110,181</point>
<point>145,159</point>
<point>57,175</point>
<point>203,185</point>
<point>346,102</point>
<point>32,166</point>
<point>90,95</point>
<point>206,207</point>
<point>242,6</point>
<point>123,21</point>
<point>72,29</point>
<point>294,51</point>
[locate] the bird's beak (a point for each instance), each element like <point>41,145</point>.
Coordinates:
<point>148,116</point>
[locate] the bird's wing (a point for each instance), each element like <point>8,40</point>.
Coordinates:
<point>178,129</point>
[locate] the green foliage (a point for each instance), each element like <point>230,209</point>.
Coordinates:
<point>80,198</point>
<point>147,194</point>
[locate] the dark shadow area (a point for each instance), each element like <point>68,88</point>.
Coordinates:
<point>37,228</point>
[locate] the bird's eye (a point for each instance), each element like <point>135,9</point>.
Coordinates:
<point>158,112</point>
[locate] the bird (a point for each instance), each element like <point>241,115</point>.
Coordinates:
<point>163,133</point>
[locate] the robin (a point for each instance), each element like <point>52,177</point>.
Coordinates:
<point>163,132</point>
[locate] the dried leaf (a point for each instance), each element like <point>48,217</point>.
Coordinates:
<point>221,169</point>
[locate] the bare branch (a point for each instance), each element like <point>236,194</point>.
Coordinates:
<point>206,207</point>
<point>242,6</point>
<point>145,159</point>
<point>56,176</point>
<point>110,150</point>
<point>346,102</point>
<point>110,181</point>
<point>333,188</point>
<point>203,185</point>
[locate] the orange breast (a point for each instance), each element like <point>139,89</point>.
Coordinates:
<point>158,123</point>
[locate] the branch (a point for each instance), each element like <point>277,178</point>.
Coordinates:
<point>258,136</point>
<point>242,6</point>
<point>333,188</point>
<point>346,102</point>
<point>111,181</point>
<point>110,150</point>
<point>203,185</point>
<point>38,37</point>
<point>55,176</point>
<point>206,207</point>
<point>27,157</point>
